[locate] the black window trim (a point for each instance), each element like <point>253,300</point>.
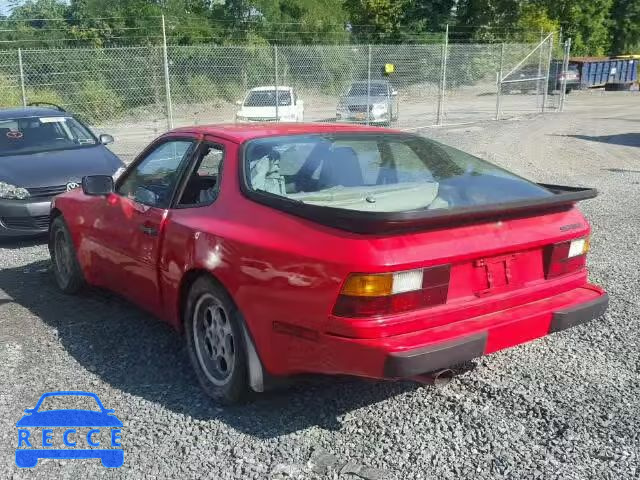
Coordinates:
<point>363,222</point>
<point>195,143</point>
<point>182,184</point>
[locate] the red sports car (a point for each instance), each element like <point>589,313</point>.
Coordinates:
<point>286,249</point>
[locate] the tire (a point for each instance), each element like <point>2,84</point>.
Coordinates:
<point>66,269</point>
<point>215,342</point>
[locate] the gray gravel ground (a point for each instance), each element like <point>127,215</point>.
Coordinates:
<point>566,406</point>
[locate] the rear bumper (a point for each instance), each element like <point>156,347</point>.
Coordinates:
<point>21,218</point>
<point>363,121</point>
<point>417,353</point>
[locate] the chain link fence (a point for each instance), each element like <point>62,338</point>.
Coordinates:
<point>136,93</point>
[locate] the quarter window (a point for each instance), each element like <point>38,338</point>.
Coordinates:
<point>203,184</point>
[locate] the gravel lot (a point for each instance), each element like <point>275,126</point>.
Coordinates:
<point>566,406</point>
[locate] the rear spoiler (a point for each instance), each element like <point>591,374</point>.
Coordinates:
<point>390,222</point>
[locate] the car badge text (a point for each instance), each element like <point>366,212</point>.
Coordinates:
<point>69,433</point>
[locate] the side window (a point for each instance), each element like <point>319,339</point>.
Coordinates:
<point>203,184</point>
<point>154,179</point>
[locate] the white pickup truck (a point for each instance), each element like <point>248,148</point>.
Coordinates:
<point>259,105</point>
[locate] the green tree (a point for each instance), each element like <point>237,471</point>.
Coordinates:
<point>625,18</point>
<point>534,18</point>
<point>586,22</point>
<point>377,20</point>
<point>486,19</point>
<point>423,18</point>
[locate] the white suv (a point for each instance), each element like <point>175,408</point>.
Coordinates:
<point>259,105</point>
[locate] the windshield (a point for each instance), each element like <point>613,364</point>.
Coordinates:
<point>41,134</point>
<point>360,90</point>
<point>267,98</point>
<point>379,172</point>
<point>69,402</point>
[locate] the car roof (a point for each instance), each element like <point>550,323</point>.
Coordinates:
<point>239,133</point>
<point>269,88</point>
<point>22,112</point>
<point>379,82</point>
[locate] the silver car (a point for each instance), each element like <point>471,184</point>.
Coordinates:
<point>378,106</point>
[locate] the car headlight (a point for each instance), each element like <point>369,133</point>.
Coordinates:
<point>11,192</point>
<point>117,173</point>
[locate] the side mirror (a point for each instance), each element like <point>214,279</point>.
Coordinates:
<point>394,93</point>
<point>105,139</point>
<point>97,185</point>
<point>239,103</point>
<point>145,196</point>
<point>29,410</point>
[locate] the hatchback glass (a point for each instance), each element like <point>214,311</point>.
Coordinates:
<point>360,90</point>
<point>379,172</point>
<point>267,98</point>
<point>42,134</point>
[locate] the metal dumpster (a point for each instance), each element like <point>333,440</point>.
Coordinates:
<point>601,71</point>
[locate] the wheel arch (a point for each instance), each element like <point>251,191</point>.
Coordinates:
<point>53,214</point>
<point>256,371</point>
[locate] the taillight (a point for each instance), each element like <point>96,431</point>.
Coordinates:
<point>566,257</point>
<point>372,295</point>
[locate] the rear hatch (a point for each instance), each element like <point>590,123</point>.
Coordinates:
<point>431,226</point>
<point>489,266</point>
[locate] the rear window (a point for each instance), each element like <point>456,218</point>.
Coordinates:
<point>267,98</point>
<point>379,172</point>
<point>360,90</point>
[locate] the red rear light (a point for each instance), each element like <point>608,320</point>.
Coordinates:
<point>566,257</point>
<point>356,298</point>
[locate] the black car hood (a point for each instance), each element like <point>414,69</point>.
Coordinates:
<point>57,167</point>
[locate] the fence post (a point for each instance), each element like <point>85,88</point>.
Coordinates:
<point>167,83</point>
<point>565,69</point>
<point>443,78</point>
<point>539,68</point>
<point>24,94</point>
<point>546,83</point>
<point>499,83</point>
<point>368,84</point>
<point>275,65</point>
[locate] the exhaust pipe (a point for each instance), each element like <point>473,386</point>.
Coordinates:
<point>439,378</point>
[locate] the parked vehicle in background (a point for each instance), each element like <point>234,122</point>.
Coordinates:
<point>376,105</point>
<point>618,73</point>
<point>527,79</point>
<point>570,79</point>
<point>259,105</point>
<point>323,248</point>
<point>44,152</point>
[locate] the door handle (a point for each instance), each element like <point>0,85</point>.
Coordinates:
<point>149,230</point>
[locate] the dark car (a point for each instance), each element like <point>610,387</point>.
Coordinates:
<point>44,152</point>
<point>525,78</point>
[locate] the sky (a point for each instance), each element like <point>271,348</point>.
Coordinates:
<point>4,7</point>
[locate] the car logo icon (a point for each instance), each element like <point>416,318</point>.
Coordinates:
<point>69,433</point>
<point>14,134</point>
<point>72,185</point>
